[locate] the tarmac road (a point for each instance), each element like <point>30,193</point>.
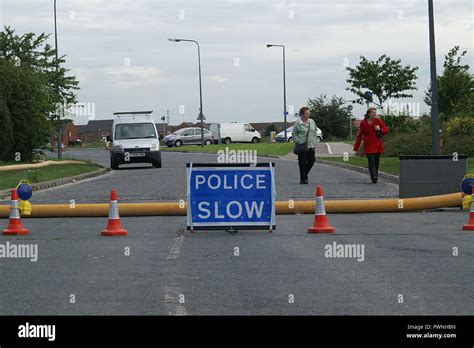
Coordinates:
<point>409,264</point>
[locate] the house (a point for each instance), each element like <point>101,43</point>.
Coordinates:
<point>68,135</point>
<point>94,130</point>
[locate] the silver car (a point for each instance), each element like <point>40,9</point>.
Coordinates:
<point>281,136</point>
<point>188,136</point>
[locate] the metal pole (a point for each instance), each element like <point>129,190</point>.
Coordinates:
<point>434,85</point>
<point>57,87</point>
<point>201,116</point>
<point>284,91</point>
<point>350,126</point>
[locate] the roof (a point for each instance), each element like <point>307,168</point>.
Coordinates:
<point>95,125</point>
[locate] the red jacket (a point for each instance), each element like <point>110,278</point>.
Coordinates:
<point>372,143</point>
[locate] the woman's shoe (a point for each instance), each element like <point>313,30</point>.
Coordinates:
<point>374,179</point>
<point>304,182</point>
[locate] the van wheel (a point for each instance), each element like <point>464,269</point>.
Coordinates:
<point>207,142</point>
<point>157,164</point>
<point>318,139</point>
<point>290,139</point>
<point>113,164</point>
<point>254,140</point>
<point>227,141</point>
<point>178,143</point>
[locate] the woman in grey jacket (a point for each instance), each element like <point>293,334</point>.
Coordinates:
<point>305,131</point>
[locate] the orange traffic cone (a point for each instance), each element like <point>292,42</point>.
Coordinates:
<point>320,224</point>
<point>470,224</point>
<point>15,227</point>
<point>114,227</point>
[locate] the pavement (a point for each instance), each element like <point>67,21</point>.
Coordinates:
<point>412,264</point>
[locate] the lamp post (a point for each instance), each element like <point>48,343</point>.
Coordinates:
<point>57,87</point>
<point>163,118</point>
<point>434,84</point>
<point>201,115</point>
<point>349,111</point>
<point>284,85</point>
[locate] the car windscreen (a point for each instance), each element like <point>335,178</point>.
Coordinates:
<point>134,131</point>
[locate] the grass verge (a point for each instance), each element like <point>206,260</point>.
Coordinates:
<point>263,149</point>
<point>9,179</point>
<point>389,165</point>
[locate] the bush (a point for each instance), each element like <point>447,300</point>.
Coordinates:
<point>460,126</point>
<point>271,128</point>
<point>400,123</point>
<point>410,143</point>
<point>463,144</point>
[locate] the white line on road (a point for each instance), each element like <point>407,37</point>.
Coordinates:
<point>329,148</point>
<point>176,247</point>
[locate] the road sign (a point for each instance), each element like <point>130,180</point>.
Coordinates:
<point>230,196</point>
<point>24,190</point>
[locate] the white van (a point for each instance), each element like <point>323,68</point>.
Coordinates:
<point>134,139</point>
<point>234,132</point>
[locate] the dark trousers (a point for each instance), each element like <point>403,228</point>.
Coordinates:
<point>305,162</point>
<point>374,160</point>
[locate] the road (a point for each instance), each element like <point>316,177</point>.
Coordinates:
<point>408,265</point>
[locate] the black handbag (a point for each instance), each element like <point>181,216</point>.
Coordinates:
<point>303,147</point>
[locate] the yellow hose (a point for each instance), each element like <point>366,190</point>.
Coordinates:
<point>282,207</point>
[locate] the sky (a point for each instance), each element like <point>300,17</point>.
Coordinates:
<point>119,51</point>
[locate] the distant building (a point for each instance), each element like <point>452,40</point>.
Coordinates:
<point>68,135</point>
<point>94,130</point>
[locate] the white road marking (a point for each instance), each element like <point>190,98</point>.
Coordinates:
<point>329,148</point>
<point>171,299</point>
<point>176,247</point>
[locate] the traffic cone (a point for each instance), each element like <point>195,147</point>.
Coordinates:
<point>114,227</point>
<point>470,224</point>
<point>320,224</point>
<point>15,227</point>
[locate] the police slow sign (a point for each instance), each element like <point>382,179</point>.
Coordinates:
<point>230,196</point>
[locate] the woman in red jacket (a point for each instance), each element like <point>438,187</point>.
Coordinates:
<point>372,129</point>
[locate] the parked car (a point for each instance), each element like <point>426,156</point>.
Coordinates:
<point>188,136</point>
<point>234,132</point>
<point>134,139</point>
<point>280,137</point>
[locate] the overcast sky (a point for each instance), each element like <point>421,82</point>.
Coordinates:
<point>119,51</point>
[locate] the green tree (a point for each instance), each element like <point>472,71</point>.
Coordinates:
<point>271,128</point>
<point>385,78</point>
<point>330,116</point>
<point>33,86</point>
<point>32,53</point>
<point>23,108</point>
<point>455,87</point>
<point>6,129</point>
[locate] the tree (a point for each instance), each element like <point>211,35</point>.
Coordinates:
<point>32,53</point>
<point>32,86</point>
<point>455,87</point>
<point>330,116</point>
<point>271,128</point>
<point>385,78</point>
<point>6,130</point>
<point>23,108</point>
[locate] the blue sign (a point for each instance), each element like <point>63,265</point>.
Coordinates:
<point>222,196</point>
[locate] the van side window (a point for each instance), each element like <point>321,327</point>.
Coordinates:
<point>248,128</point>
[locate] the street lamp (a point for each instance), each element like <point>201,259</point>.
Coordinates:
<point>434,84</point>
<point>284,84</point>
<point>201,115</point>
<point>57,87</point>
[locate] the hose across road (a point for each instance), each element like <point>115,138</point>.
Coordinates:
<point>282,207</point>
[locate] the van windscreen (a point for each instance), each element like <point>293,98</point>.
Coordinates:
<point>134,131</point>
